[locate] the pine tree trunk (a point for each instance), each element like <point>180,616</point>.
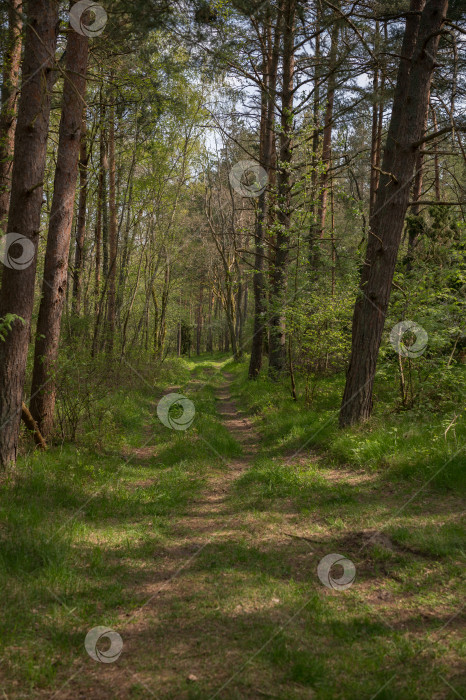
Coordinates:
<point>98,237</point>
<point>265,157</point>
<point>163,312</point>
<point>112,233</point>
<point>406,125</point>
<point>417,192</point>
<point>231,317</point>
<point>81,225</point>
<point>210,335</point>
<point>374,181</point>
<point>277,350</point>
<point>11,64</point>
<point>17,293</point>
<point>313,228</point>
<point>199,321</point>
<point>438,194</point>
<point>328,128</point>
<point>59,235</point>
<point>103,190</point>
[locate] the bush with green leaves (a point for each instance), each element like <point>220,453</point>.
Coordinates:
<point>433,295</point>
<point>320,328</point>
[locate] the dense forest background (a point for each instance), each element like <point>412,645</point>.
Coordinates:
<point>234,163</point>
<point>273,187</point>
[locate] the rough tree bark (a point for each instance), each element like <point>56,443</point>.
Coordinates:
<point>199,320</point>
<point>438,193</point>
<point>112,232</point>
<point>270,59</point>
<point>376,96</point>
<point>81,223</point>
<point>277,349</point>
<point>17,292</point>
<point>328,129</point>
<point>9,93</point>
<point>59,235</point>
<point>410,104</point>
<point>98,229</point>
<point>163,311</point>
<point>210,335</point>
<point>417,193</point>
<point>103,188</point>
<point>312,235</point>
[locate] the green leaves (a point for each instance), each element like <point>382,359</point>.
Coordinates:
<point>6,324</point>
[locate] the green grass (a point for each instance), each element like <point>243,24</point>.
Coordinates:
<point>76,522</point>
<point>408,444</point>
<point>84,529</point>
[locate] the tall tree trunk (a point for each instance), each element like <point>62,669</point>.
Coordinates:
<point>17,292</point>
<point>375,128</point>
<point>103,189</point>
<point>266,149</point>
<point>81,224</point>
<point>405,132</point>
<point>438,194</point>
<point>112,232</point>
<point>210,336</point>
<point>163,312</point>
<point>231,316</point>
<point>130,308</point>
<point>239,314</point>
<point>11,64</point>
<point>376,154</point>
<point>199,321</point>
<point>277,350</point>
<point>328,128</point>
<point>125,253</point>
<point>98,225</point>
<point>59,234</point>
<point>242,311</point>
<point>417,192</point>
<point>313,228</point>
<point>255,361</point>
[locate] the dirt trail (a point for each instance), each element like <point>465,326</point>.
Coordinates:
<point>157,653</point>
<point>208,511</point>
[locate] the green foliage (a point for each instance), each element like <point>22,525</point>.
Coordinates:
<point>412,444</point>
<point>319,325</point>
<point>433,295</point>
<point>6,324</point>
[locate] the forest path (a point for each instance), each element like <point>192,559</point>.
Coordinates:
<point>219,597</point>
<point>174,642</point>
<point>172,631</point>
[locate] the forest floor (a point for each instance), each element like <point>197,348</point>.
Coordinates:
<point>202,554</point>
